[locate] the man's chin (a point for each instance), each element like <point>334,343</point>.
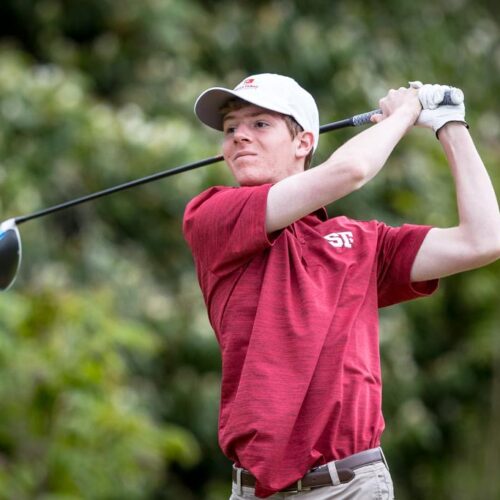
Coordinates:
<point>252,182</point>
<point>252,178</point>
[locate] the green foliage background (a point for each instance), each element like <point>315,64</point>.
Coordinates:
<point>109,372</point>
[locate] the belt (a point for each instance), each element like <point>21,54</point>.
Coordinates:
<point>319,477</point>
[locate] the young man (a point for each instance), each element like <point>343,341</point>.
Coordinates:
<point>293,296</point>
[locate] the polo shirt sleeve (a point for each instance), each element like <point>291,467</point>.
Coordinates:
<point>225,226</point>
<point>397,248</point>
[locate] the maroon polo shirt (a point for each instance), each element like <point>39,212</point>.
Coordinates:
<point>296,317</point>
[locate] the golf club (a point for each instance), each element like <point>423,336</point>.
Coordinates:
<point>10,240</point>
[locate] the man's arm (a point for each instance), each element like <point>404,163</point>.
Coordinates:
<point>475,242</point>
<point>348,168</point>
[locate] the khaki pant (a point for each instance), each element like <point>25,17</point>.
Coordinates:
<point>371,482</point>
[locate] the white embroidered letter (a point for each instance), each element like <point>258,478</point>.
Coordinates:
<point>341,239</point>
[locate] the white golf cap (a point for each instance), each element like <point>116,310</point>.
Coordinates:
<point>274,92</point>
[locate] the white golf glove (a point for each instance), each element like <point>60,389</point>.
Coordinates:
<point>434,115</point>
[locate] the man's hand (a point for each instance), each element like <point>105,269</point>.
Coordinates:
<point>403,102</point>
<point>434,115</point>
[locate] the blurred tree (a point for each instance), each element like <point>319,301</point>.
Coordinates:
<point>74,421</point>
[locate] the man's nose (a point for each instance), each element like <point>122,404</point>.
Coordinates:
<point>242,133</point>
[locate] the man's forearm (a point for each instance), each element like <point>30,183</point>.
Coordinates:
<point>368,151</point>
<point>475,241</point>
<point>478,210</point>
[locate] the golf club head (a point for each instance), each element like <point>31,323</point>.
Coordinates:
<point>10,253</point>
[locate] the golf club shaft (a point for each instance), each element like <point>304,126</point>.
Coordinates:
<point>119,187</point>
<point>353,121</point>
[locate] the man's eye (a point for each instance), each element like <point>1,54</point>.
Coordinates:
<point>229,130</point>
<point>261,124</point>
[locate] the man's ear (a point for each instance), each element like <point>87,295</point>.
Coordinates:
<point>305,143</point>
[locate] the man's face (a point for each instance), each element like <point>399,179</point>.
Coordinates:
<point>258,146</point>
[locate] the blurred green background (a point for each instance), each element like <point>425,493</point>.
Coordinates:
<point>109,371</point>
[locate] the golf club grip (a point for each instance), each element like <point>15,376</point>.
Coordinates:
<point>364,118</point>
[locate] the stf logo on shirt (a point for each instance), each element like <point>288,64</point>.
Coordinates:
<point>342,239</point>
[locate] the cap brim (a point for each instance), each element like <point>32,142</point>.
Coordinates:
<point>207,107</point>
<point>209,104</point>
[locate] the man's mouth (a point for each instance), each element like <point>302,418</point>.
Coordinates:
<point>240,154</point>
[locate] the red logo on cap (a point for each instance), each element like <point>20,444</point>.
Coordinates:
<point>247,84</point>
